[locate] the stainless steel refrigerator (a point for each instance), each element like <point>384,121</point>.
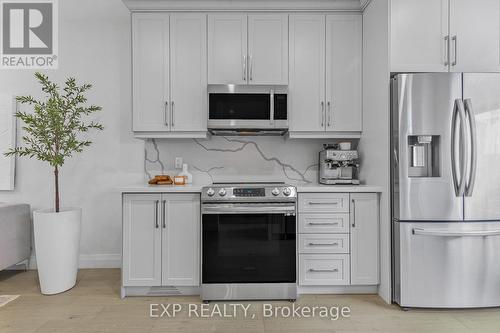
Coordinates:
<point>446,189</point>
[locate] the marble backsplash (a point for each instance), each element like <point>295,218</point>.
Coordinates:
<point>221,159</point>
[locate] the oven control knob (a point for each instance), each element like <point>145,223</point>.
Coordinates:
<point>275,191</point>
<point>222,192</point>
<point>287,191</point>
<point>210,192</point>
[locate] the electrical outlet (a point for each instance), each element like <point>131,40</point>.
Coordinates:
<point>178,162</point>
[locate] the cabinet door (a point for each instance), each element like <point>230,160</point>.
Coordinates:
<point>268,49</point>
<point>141,240</point>
<point>364,239</point>
<point>307,73</point>
<point>188,55</point>
<point>227,48</point>
<point>150,84</point>
<point>418,31</point>
<point>475,33</point>
<point>181,240</point>
<point>343,72</point>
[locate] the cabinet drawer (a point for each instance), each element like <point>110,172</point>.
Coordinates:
<point>323,223</point>
<point>324,243</point>
<point>324,202</point>
<point>323,269</point>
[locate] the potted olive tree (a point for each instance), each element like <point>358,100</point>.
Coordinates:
<point>53,133</point>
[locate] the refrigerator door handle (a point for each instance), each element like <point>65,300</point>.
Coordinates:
<point>451,233</point>
<point>469,187</point>
<point>458,112</point>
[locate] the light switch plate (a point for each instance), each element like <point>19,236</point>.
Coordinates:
<point>178,162</point>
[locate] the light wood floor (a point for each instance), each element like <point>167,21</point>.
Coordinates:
<point>94,305</point>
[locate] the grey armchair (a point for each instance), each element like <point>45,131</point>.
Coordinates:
<point>15,237</point>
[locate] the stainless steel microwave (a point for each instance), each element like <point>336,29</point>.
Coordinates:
<point>245,109</point>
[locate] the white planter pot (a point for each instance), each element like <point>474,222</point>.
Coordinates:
<point>57,245</point>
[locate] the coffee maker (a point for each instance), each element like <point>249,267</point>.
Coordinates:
<point>338,164</point>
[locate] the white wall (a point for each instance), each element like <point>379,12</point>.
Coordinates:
<point>375,143</point>
<point>94,47</point>
<point>94,44</point>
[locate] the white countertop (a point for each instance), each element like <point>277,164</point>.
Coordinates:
<point>146,188</point>
<point>315,187</point>
<point>301,188</point>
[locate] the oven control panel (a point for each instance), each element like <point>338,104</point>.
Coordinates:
<point>249,192</point>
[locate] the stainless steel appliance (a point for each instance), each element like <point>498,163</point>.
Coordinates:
<point>247,110</point>
<point>338,166</point>
<point>248,241</point>
<point>446,189</point>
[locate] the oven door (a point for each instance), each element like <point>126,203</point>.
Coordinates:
<point>248,243</point>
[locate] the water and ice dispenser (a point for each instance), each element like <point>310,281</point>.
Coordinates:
<point>423,156</point>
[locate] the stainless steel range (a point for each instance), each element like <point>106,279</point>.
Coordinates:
<point>248,241</point>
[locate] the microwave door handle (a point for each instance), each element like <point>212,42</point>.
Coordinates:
<point>271,116</point>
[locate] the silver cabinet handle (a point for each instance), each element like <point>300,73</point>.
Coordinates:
<point>250,67</point>
<point>163,212</point>
<point>156,214</point>
<point>244,68</point>
<point>172,113</point>
<point>323,244</point>
<point>469,112</point>
<point>323,223</point>
<point>323,203</point>
<point>322,113</point>
<point>353,213</point>
<point>446,50</point>
<point>165,113</point>
<point>329,111</point>
<point>323,270</point>
<point>455,42</point>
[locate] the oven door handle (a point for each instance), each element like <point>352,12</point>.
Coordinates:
<point>248,209</point>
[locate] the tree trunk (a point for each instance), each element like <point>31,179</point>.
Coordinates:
<point>56,178</point>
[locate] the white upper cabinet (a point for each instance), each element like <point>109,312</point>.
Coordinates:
<point>150,54</point>
<point>247,49</point>
<point>445,35</point>
<point>188,54</point>
<point>364,239</point>
<point>475,35</point>
<point>343,72</point>
<point>268,49</point>
<point>227,48</point>
<point>307,73</point>
<point>418,32</point>
<point>169,54</point>
<point>325,85</point>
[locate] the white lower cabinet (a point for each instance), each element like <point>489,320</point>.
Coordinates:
<point>161,239</point>
<point>180,236</point>
<point>364,239</point>
<point>338,239</point>
<point>324,269</point>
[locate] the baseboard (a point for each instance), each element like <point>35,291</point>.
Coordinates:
<point>86,261</point>
<point>302,290</point>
